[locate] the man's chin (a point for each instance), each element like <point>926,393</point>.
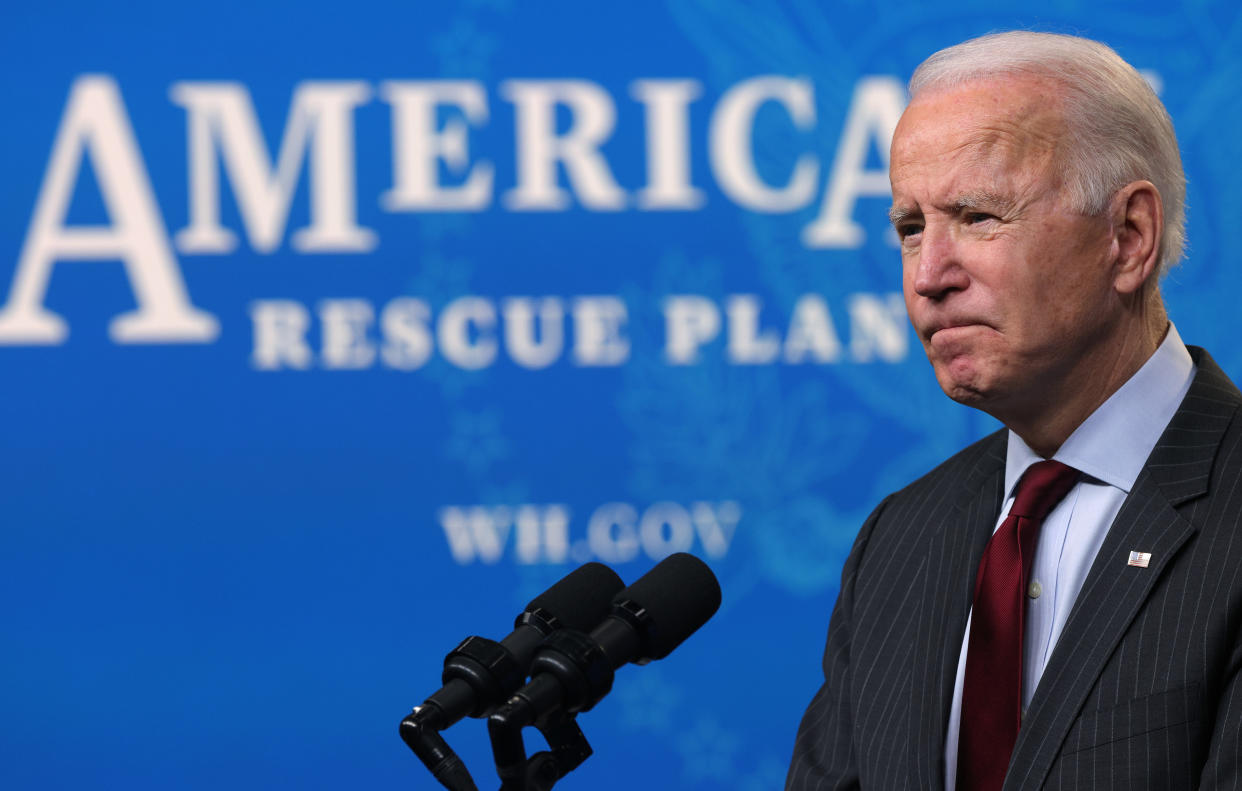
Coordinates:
<point>962,384</point>
<point>984,395</point>
<point>967,396</point>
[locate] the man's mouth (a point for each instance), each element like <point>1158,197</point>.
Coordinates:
<point>952,328</point>
<point>951,325</point>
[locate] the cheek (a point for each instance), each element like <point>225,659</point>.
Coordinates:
<point>1073,277</point>
<point>912,305</point>
<point>1071,304</point>
<point>913,300</point>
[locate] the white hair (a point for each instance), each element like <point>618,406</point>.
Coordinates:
<point>1118,130</point>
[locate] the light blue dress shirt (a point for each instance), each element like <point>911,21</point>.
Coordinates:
<point>1110,448</point>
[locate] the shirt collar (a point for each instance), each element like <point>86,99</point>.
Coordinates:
<point>1113,443</point>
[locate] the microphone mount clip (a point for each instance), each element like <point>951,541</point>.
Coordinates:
<point>568,747</point>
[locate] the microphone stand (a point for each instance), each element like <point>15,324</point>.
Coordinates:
<point>421,732</point>
<point>570,674</point>
<point>569,747</point>
<point>477,663</point>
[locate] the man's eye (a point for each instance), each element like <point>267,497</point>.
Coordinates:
<point>973,217</point>
<point>906,230</point>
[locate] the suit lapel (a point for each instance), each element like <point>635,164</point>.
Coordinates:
<point>1176,472</point>
<point>947,588</point>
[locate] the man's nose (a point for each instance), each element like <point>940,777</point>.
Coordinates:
<point>938,270</point>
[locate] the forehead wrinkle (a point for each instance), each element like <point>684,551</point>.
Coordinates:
<point>997,148</point>
<point>974,147</point>
<point>991,147</point>
<point>996,170</point>
<point>1036,113</point>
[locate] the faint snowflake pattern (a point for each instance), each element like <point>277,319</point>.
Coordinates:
<point>464,49</point>
<point>535,578</point>
<point>708,751</point>
<point>440,279</point>
<point>769,775</point>
<point>476,440</point>
<point>439,227</point>
<point>802,544</point>
<point>512,493</point>
<point>647,702</point>
<point>453,382</point>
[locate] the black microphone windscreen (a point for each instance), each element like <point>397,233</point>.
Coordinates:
<point>680,594</point>
<point>582,596</point>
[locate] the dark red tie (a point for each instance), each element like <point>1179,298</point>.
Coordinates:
<point>992,691</point>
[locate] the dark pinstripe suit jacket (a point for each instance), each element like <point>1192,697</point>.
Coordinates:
<point>1143,689</point>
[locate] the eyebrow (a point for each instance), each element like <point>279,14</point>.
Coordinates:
<point>966,200</point>
<point>896,214</point>
<point>980,199</point>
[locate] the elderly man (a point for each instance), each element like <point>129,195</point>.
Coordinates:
<point>1060,604</point>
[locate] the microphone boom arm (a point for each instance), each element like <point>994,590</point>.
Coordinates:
<point>421,732</point>
<point>569,747</point>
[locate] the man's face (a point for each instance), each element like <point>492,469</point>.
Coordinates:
<point>1009,290</point>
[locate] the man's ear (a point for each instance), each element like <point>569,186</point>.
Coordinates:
<point>1138,227</point>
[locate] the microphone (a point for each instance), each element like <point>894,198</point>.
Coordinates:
<point>479,674</point>
<point>573,671</point>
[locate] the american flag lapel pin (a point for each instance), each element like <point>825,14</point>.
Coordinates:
<point>1139,559</point>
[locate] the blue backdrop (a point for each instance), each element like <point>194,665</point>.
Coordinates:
<point>333,333</point>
